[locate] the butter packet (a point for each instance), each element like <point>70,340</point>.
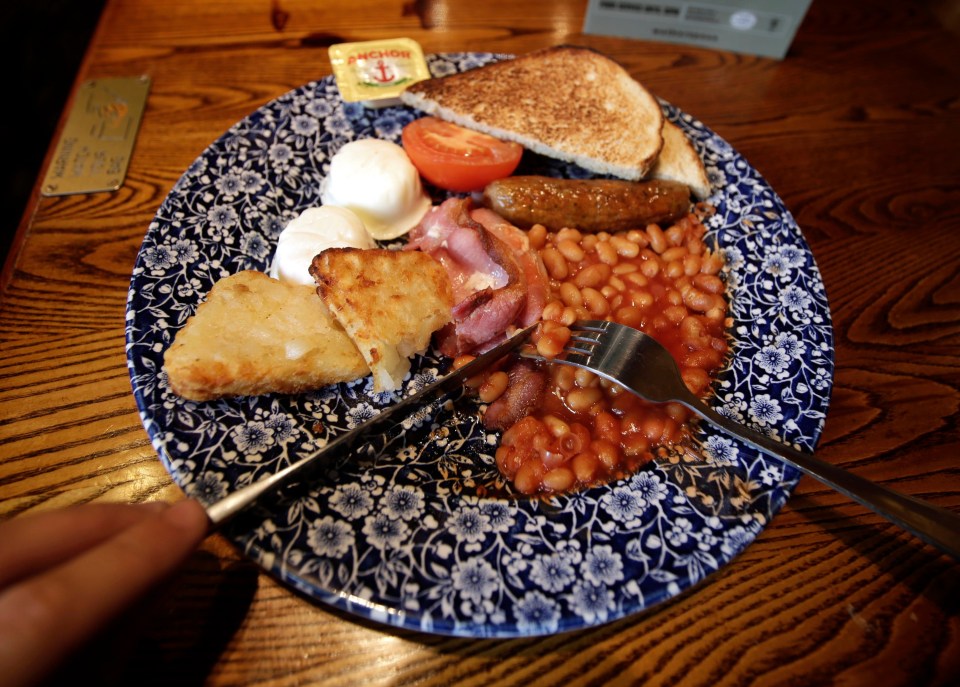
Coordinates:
<point>375,73</point>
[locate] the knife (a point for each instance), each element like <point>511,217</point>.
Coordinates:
<point>226,508</point>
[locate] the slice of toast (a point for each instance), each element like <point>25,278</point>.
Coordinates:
<point>565,102</point>
<point>679,161</point>
<point>254,334</point>
<point>389,302</point>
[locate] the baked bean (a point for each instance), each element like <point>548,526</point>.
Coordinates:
<point>462,360</point>
<point>658,241</point>
<point>673,254</point>
<point>595,302</point>
<point>585,378</point>
<point>671,431</point>
<point>625,267</point>
<point>695,299</point>
<point>589,242</point>
<point>506,460</point>
<point>571,250</point>
<point>571,294</point>
<point>607,452</point>
<point>635,444</point>
<point>676,235</point>
<point>636,279</point>
<point>691,265</point>
<point>695,246</point>
<point>537,236</point>
<point>555,263</point>
<point>650,268</point>
<point>553,311</point>
<point>711,263</point>
<point>585,467</point>
<point>692,332</point>
<point>678,412</point>
<point>675,313</point>
<point>638,237</point>
<point>716,315</point>
<point>652,427</point>
<point>606,426</point>
<point>629,315</point>
<point>564,377</point>
<point>643,299</point>
<point>704,358</point>
<point>569,234</point>
<point>556,426</point>
<point>607,253</point>
<point>709,283</point>
<point>521,431</point>
<point>569,316</point>
<point>493,387</point>
<point>609,291</point>
<point>551,342</point>
<point>580,400</point>
<point>612,389</point>
<point>559,479</point>
<point>696,379</point>
<point>529,477</point>
<point>674,269</point>
<point>616,283</point>
<point>594,275</point>
<point>624,247</point>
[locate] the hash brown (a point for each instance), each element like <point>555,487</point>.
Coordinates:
<point>254,334</point>
<point>388,301</point>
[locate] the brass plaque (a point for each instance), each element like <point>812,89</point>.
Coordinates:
<point>94,148</point>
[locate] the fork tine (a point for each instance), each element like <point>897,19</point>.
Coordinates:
<point>574,356</point>
<point>590,325</point>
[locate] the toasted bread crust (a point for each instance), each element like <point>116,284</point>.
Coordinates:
<point>679,161</point>
<point>389,302</point>
<point>254,335</point>
<point>567,102</point>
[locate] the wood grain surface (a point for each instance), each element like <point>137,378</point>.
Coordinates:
<point>858,130</point>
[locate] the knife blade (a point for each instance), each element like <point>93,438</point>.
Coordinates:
<point>226,508</point>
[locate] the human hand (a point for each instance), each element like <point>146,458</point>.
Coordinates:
<point>65,574</point>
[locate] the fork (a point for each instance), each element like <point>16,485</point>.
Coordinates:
<point>640,364</point>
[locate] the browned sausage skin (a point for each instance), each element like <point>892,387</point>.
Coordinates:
<point>588,204</point>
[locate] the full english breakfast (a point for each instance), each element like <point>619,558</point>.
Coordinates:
<point>513,251</point>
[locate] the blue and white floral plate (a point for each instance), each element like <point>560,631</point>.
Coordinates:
<point>418,532</point>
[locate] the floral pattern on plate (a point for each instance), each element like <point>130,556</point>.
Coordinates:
<point>419,531</point>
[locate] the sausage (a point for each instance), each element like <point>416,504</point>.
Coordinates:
<point>590,205</point>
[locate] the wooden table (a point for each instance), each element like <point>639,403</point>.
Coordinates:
<point>857,130</point>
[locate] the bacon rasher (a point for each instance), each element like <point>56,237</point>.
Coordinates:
<point>498,282</point>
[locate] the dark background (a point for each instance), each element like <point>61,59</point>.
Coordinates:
<point>43,42</point>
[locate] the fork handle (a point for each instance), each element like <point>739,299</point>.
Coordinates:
<point>935,525</point>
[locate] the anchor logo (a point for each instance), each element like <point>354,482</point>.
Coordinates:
<point>382,73</point>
